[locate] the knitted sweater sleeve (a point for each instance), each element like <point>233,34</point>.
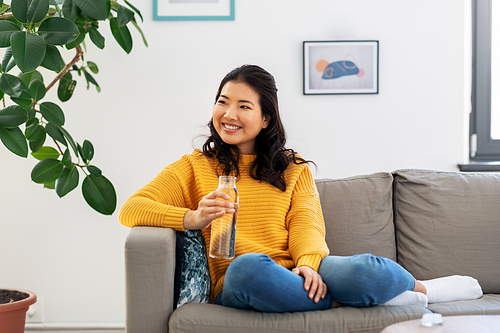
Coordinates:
<point>160,203</point>
<point>306,226</point>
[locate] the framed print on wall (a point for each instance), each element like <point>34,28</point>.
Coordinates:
<point>340,67</point>
<point>193,10</point>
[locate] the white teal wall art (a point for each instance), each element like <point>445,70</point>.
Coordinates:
<point>193,10</point>
<point>341,67</point>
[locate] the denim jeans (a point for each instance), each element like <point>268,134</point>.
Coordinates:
<point>255,281</point>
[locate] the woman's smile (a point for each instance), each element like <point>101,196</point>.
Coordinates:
<point>230,128</point>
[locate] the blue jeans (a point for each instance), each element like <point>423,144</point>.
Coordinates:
<point>255,281</point>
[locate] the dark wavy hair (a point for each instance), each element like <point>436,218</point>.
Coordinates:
<point>272,156</point>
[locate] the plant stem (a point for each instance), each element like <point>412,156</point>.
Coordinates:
<point>58,147</point>
<point>77,57</point>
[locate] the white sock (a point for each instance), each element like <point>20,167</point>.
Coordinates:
<point>452,288</point>
<point>409,298</point>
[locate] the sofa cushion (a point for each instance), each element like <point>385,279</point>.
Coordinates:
<point>449,223</point>
<point>358,214</point>
<point>210,318</point>
<point>192,278</point>
<point>489,304</point>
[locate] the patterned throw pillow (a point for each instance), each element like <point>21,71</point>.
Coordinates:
<point>194,278</point>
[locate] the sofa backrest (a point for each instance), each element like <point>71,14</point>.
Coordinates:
<point>358,214</point>
<point>449,223</point>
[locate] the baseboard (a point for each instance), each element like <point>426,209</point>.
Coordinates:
<point>74,328</point>
<point>73,331</point>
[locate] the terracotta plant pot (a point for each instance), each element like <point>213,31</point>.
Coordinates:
<point>13,315</point>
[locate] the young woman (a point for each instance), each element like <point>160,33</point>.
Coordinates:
<point>281,258</point>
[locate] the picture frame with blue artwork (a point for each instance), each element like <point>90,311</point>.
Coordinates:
<point>193,10</point>
<point>341,67</point>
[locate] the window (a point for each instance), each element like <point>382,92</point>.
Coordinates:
<point>485,114</point>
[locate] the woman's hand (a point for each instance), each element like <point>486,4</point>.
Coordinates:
<point>312,282</point>
<point>209,209</point>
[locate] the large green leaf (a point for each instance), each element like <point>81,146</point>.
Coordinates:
<point>135,10</point>
<point>99,194</point>
<point>121,34</point>
<point>80,151</point>
<point>19,9</point>
<point>97,38</point>
<point>28,77</point>
<point>58,31</point>
<point>53,60</point>
<point>94,170</point>
<point>34,130</point>
<point>12,85</point>
<point>8,61</point>
<point>14,140</point>
<point>30,11</point>
<point>70,140</point>
<point>13,116</point>
<point>96,9</point>
<point>67,182</point>
<point>37,89</point>
<point>35,146</point>
<point>37,10</point>
<point>52,113</point>
<point>78,40</point>
<point>46,171</point>
<point>66,159</point>
<point>70,10</point>
<point>124,16</point>
<point>55,133</point>
<point>66,87</point>
<point>24,100</point>
<point>7,28</point>
<point>46,152</point>
<point>28,50</point>
<point>88,150</point>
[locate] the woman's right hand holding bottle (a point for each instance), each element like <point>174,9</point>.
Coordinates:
<point>210,208</point>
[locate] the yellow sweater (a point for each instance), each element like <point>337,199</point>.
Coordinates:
<point>288,226</point>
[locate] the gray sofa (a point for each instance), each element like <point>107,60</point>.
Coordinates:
<point>432,223</point>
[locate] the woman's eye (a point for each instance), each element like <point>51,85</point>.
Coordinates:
<point>244,107</point>
<point>221,102</point>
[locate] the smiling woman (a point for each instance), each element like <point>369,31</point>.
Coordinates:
<point>281,261</point>
<point>252,90</point>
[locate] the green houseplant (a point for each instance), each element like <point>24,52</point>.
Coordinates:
<point>33,33</point>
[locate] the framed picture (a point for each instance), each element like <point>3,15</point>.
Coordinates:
<point>193,10</point>
<point>340,67</point>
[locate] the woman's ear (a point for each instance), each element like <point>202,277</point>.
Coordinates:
<point>266,122</point>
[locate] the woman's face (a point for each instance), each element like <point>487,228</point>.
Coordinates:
<point>238,117</point>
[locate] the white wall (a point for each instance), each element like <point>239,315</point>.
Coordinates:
<point>157,99</point>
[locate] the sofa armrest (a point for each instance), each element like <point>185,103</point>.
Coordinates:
<point>150,269</point>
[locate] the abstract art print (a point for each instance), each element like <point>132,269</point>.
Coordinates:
<point>340,67</point>
<point>193,10</point>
